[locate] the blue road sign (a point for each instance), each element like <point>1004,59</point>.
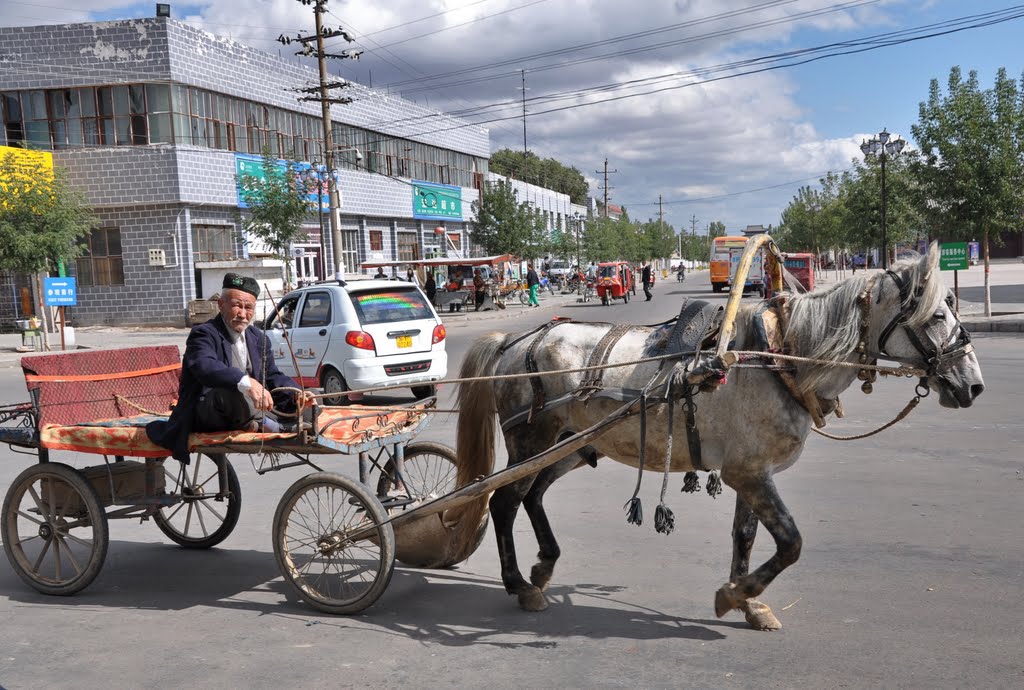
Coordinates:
<point>60,292</point>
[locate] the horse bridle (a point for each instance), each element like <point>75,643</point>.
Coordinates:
<point>940,358</point>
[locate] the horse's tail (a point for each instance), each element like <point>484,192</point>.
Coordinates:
<point>476,433</point>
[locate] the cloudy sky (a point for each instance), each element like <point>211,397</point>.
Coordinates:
<point>722,107</point>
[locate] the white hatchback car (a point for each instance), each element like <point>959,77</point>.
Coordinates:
<point>361,334</point>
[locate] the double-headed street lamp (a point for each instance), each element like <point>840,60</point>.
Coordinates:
<point>317,179</point>
<point>883,146</point>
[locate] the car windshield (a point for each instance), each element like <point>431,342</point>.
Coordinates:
<point>389,305</point>
<point>609,271</point>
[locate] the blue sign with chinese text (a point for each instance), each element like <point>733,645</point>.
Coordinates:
<point>60,292</point>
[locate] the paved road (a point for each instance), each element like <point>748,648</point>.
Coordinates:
<point>910,576</point>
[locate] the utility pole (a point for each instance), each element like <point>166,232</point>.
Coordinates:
<point>523,73</point>
<point>334,199</point>
<point>693,225</point>
<point>606,187</point>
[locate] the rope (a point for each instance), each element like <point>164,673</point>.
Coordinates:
<point>899,417</point>
<point>140,408</point>
<point>902,371</point>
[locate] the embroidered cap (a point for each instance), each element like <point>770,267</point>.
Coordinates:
<point>233,281</point>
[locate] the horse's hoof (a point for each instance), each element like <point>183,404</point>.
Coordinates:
<point>532,600</point>
<point>759,616</point>
<point>540,576</point>
<point>727,598</point>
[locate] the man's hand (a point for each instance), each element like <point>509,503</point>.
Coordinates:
<point>306,399</point>
<point>260,396</point>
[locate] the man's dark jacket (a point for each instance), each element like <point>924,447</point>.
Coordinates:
<point>645,276</point>
<point>207,364</point>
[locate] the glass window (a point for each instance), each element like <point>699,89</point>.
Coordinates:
<point>140,130</point>
<point>284,313</point>
<point>160,129</point>
<point>104,101</point>
<point>376,241</point>
<point>34,103</point>
<point>137,99</point>
<point>213,242</point>
<point>316,310</point>
<point>158,98</point>
<point>390,305</point>
<point>101,263</point>
<point>87,102</point>
<point>120,100</point>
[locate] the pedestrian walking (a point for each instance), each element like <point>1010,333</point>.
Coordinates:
<point>532,282</point>
<point>645,277</point>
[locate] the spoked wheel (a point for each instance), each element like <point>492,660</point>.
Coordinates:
<point>431,540</point>
<point>54,529</point>
<point>524,297</point>
<point>330,544</point>
<point>200,520</point>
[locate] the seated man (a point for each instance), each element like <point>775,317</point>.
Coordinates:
<point>227,373</point>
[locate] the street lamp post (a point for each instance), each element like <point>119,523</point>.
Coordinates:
<point>883,146</point>
<point>578,217</point>
<point>315,177</point>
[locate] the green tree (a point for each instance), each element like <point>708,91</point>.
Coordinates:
<point>547,172</point>
<point>42,218</point>
<point>659,239</point>
<point>972,167</point>
<point>504,225</point>
<point>278,204</point>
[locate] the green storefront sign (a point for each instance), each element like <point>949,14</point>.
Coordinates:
<point>436,201</point>
<point>953,256</point>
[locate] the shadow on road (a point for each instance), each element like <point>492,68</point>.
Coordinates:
<point>441,606</point>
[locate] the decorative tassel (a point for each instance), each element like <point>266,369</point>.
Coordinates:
<point>634,511</point>
<point>691,483</point>
<point>714,485</point>
<point>664,520</point>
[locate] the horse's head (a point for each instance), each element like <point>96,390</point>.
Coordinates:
<point>919,327</point>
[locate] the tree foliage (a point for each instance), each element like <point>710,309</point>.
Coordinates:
<point>278,205</point>
<point>42,218</point>
<point>544,172</point>
<point>505,225</point>
<point>972,146</point>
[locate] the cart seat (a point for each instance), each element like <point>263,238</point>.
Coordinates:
<point>75,387</point>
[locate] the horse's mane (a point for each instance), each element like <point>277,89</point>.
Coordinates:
<point>825,324</point>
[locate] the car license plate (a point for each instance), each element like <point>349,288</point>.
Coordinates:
<point>405,341</point>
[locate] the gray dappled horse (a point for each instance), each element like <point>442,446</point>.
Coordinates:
<point>903,315</point>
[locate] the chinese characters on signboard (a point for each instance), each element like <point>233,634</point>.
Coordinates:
<point>436,201</point>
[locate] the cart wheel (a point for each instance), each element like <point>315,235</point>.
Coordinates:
<point>330,569</point>
<point>54,529</point>
<point>430,472</point>
<point>199,520</point>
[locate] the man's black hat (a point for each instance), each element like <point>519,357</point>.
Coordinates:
<point>233,281</point>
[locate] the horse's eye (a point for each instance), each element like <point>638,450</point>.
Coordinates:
<point>939,315</point>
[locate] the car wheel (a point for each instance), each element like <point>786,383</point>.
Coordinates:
<point>333,383</point>
<point>422,392</point>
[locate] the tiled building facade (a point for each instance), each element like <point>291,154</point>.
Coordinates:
<point>148,118</point>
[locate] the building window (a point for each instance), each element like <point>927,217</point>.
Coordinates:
<point>376,241</point>
<point>408,247</point>
<point>101,263</point>
<point>213,242</point>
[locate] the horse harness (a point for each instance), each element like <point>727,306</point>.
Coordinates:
<point>941,357</point>
<point>697,323</point>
